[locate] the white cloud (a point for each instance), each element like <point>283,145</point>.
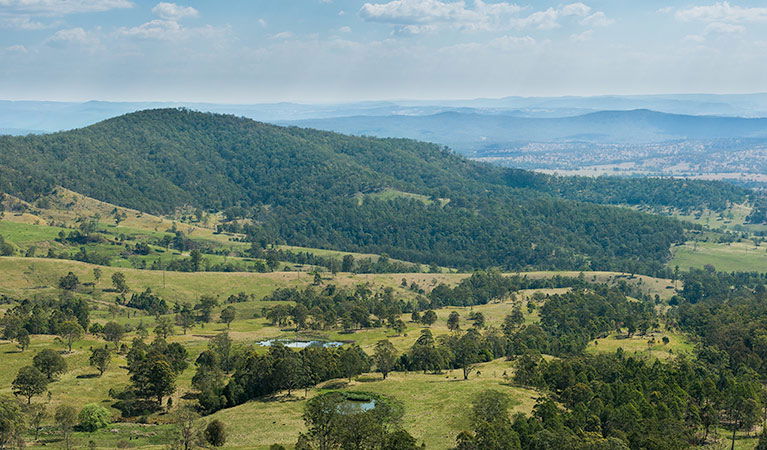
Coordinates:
<point>263,23</point>
<point>282,35</point>
<point>22,23</point>
<point>16,49</point>
<point>724,28</point>
<point>420,16</point>
<point>695,38</point>
<point>598,19</point>
<point>345,30</point>
<point>413,12</point>
<point>154,29</point>
<point>722,12</point>
<point>582,37</point>
<point>549,19</point>
<point>72,37</point>
<point>61,7</point>
<point>169,30</point>
<point>172,11</point>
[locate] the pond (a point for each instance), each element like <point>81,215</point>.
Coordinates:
<point>300,344</point>
<point>350,406</point>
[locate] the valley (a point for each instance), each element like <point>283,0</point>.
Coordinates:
<point>437,284</point>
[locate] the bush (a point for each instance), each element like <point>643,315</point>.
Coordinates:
<point>94,417</point>
<point>215,433</point>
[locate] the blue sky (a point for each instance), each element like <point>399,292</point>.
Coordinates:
<point>247,51</point>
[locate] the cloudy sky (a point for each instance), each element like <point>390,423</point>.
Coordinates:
<point>246,51</point>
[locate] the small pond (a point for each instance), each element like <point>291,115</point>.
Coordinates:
<point>351,406</point>
<point>300,344</point>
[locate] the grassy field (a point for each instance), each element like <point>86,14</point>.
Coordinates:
<point>651,345</point>
<point>737,256</point>
<point>435,406</point>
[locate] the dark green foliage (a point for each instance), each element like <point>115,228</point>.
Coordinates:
<point>69,282</point>
<point>100,359</point>
<point>215,433</point>
<point>161,159</point>
<point>330,427</point>
<point>44,316</point>
<point>29,382</point>
<point>323,308</point>
<point>50,362</point>
<point>148,301</point>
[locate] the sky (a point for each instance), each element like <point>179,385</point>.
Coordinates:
<point>313,51</point>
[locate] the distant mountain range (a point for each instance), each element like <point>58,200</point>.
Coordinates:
<point>22,117</point>
<point>471,132</point>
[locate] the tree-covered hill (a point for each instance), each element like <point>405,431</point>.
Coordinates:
<point>309,187</point>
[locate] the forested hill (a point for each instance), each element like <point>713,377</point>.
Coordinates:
<point>323,189</point>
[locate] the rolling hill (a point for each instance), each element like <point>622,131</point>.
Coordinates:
<point>313,188</point>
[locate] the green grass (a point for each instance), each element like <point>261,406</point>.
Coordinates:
<point>644,345</point>
<point>737,256</point>
<point>24,234</point>
<point>436,407</point>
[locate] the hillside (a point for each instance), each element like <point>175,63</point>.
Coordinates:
<point>302,187</point>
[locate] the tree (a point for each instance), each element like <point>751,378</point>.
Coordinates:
<point>188,430</point>
<point>49,362</point>
<point>97,274</point>
<point>424,354</point>
<point>66,418</point>
<point>100,359</point>
<point>428,318</point>
<point>185,318</point>
<point>37,413</point>
<point>454,321</point>
<point>119,283</point>
<point>399,327</point>
<point>29,382</point>
<point>385,357</point>
<point>69,332</point>
<point>215,433</point>
<point>164,328</point>
<point>113,332</point>
<point>12,426</point>
<point>22,339</point>
<point>228,315</point>
<point>513,321</point>
<point>205,306</point>
<point>69,282</point>
<point>354,361</point>
<point>94,417</point>
<point>154,378</point>
<point>479,319</point>
<point>468,352</point>
<point>741,402</point>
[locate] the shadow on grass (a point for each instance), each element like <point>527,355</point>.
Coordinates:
<point>88,375</point>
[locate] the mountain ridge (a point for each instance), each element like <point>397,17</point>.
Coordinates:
<point>299,185</point>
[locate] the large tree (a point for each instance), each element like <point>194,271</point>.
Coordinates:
<point>50,362</point>
<point>385,357</point>
<point>29,382</point>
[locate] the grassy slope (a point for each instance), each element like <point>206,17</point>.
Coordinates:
<point>737,256</point>
<point>435,407</point>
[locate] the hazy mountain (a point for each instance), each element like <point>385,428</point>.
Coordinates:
<point>470,132</point>
<point>55,116</point>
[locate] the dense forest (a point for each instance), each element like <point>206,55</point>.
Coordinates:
<point>317,189</point>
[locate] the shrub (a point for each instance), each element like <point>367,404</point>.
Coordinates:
<point>215,433</point>
<point>94,417</point>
